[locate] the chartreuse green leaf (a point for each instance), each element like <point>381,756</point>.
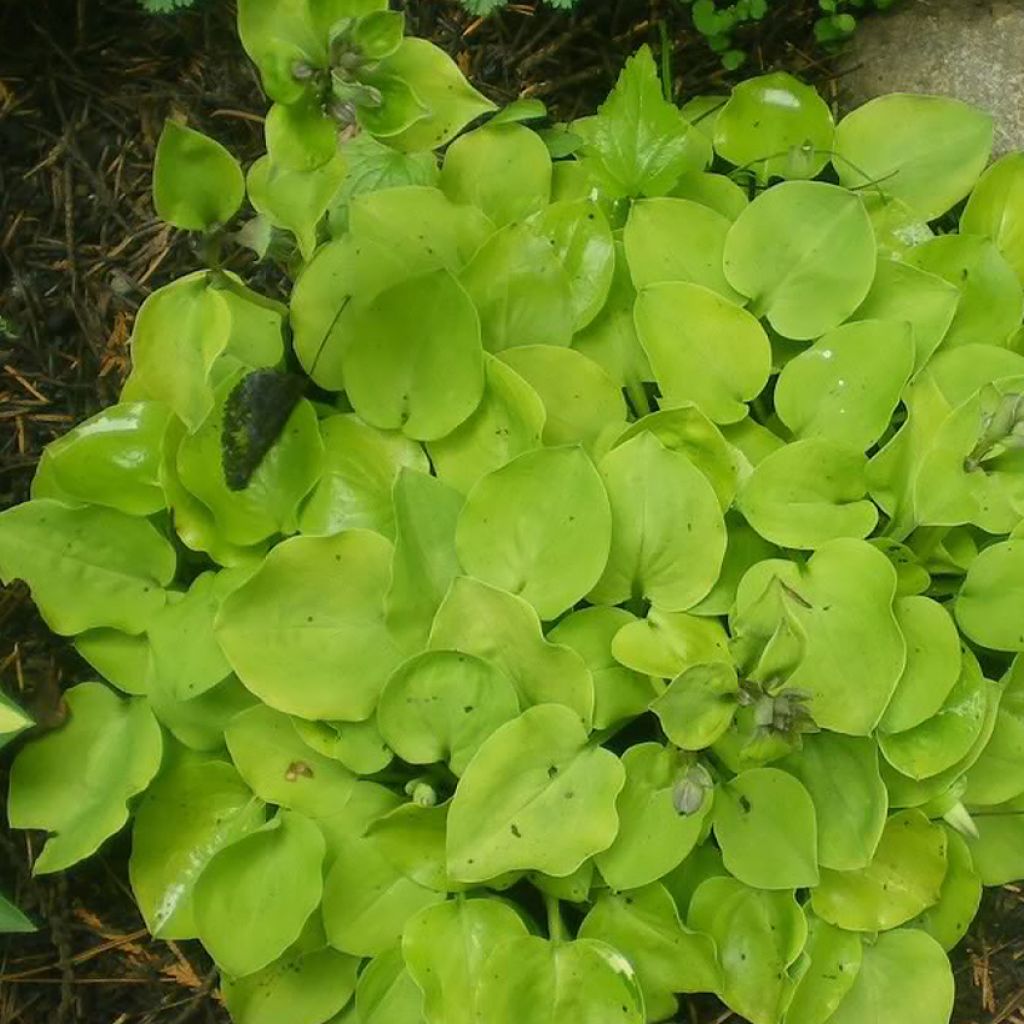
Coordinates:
<point>902,293</point>
<point>944,739</point>
<point>306,633</point>
<point>13,720</point>
<point>620,693</point>
<point>989,603</point>
<point>766,826</point>
<point>654,836</point>
<point>254,897</point>
<point>199,722</point>
<point>835,959</point>
<point>775,126</point>
<point>996,849</point>
<point>386,993</point>
<point>715,191</point>
<point>745,547</point>
<point>846,386</point>
<point>508,421</point>
<point>904,977</point>
<point>699,704</point>
<point>113,459</point>
<point>809,493</point>
<point>196,807</point>
<point>995,209</point>
<point>197,183</point>
<point>299,137</point>
<point>759,935</point>
<point>581,237</point>
<point>307,984</point>
<point>492,624</point>
<point>361,465</point>
<point>948,920</point>
<point>531,981</point>
<point>703,348</point>
<point>536,796</point>
<point>430,229</point>
<point>904,878</point>
<point>991,297</point>
<point>927,151</point>
<point>841,774</point>
<point>967,476</point>
<point>805,280</point>
<point>639,144</point>
<point>538,527</point>
<point>610,339</point>
<point>281,768</point>
<point>440,86</point>
<point>120,743</point>
<point>582,404</point>
<point>446,947</point>
<point>411,839</point>
<point>677,240</point>
<point>415,363</point>
<point>425,563</point>
<point>269,503</point>
<point>441,705</point>
<point>644,926</point>
<point>845,591</point>
<point>520,289</point>
<point>367,900</point>
<point>296,199</point>
<point>87,566</point>
<point>359,746</point>
<point>933,663</point>
<point>665,644</point>
<point>688,430</point>
<point>505,170</point>
<point>998,773</point>
<point>12,920</point>
<point>667,532</point>
<point>179,332</point>
<point>185,654</point>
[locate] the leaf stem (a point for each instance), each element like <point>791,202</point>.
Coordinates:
<point>925,539</point>
<point>556,926</point>
<point>638,398</point>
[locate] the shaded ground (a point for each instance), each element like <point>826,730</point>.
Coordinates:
<point>84,89</point>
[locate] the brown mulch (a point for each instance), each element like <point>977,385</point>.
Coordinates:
<point>85,86</point>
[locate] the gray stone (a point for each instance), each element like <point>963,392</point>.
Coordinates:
<point>970,49</point>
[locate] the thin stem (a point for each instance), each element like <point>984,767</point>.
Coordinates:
<point>638,398</point>
<point>556,926</point>
<point>925,539</point>
<point>666,60</point>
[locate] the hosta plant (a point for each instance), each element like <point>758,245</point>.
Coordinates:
<point>600,578</point>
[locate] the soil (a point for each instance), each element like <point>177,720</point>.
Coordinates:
<point>85,86</point>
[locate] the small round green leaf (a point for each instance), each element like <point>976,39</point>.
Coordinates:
<point>805,280</point>
<point>415,363</point>
<point>808,493</point>
<point>539,527</point>
<point>703,349</point>
<point>120,744</point>
<point>927,151</point>
<point>311,616</point>
<point>765,824</point>
<point>996,209</point>
<point>197,183</point>
<point>667,532</point>
<point>87,566</point>
<point>990,600</point>
<point>535,796</point>
<point>441,705</point>
<point>254,897</point>
<point>904,878</point>
<point>775,126</point>
<point>653,836</point>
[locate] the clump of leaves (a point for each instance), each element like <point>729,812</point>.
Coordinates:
<point>616,594</point>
